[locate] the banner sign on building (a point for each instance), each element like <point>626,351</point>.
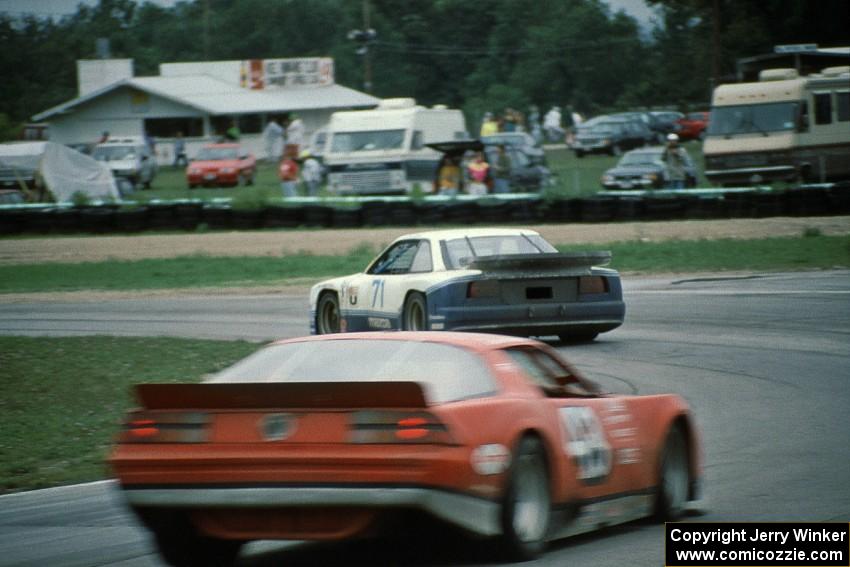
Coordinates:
<point>259,74</point>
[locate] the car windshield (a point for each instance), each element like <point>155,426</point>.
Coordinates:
<point>640,158</point>
<point>109,153</point>
<point>367,141</point>
<point>752,118</point>
<point>598,130</point>
<point>446,373</point>
<point>458,253</point>
<point>215,154</point>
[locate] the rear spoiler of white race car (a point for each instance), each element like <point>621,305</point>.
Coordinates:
<point>540,265</point>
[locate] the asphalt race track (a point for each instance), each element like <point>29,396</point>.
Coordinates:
<point>764,360</point>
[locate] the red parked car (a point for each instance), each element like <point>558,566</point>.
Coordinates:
<point>693,125</point>
<point>221,165</point>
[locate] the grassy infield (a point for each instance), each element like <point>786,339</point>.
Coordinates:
<point>62,398</point>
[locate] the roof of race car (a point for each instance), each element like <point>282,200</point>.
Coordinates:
<point>448,234</point>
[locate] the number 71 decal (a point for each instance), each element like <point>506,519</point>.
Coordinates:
<point>378,293</point>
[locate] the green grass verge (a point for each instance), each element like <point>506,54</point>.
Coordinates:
<point>804,252</point>
<point>62,399</point>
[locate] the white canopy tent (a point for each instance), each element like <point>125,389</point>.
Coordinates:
<point>63,170</point>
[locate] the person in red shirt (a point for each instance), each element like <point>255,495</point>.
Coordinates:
<point>288,173</point>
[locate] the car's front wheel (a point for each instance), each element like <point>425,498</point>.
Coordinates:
<point>327,314</point>
<point>526,504</point>
<point>415,314</point>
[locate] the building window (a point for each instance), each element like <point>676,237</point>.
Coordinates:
<point>247,123</point>
<point>823,108</point>
<point>843,106</point>
<point>169,127</point>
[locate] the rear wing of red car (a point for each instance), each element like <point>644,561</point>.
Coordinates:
<point>281,395</point>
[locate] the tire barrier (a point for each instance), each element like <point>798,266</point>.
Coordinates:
<point>812,200</point>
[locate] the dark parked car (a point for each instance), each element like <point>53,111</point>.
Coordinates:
<point>521,140</point>
<point>666,121</point>
<point>643,169</point>
<point>527,173</point>
<point>611,136</point>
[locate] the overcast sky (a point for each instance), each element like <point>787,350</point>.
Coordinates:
<point>635,8</point>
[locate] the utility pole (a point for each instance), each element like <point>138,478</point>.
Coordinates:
<point>367,58</point>
<point>206,39</point>
<point>364,37</point>
<point>715,44</point>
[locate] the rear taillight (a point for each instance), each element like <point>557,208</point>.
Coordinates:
<point>388,426</point>
<point>592,284</point>
<point>165,427</point>
<point>482,288</point>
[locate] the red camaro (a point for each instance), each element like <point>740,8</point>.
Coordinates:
<point>320,437</point>
<point>693,125</point>
<point>221,165</point>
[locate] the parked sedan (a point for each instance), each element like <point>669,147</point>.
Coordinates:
<point>644,169</point>
<point>334,437</point>
<point>693,125</point>
<point>221,165</point>
<point>611,136</point>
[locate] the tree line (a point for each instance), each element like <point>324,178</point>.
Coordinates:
<point>477,55</point>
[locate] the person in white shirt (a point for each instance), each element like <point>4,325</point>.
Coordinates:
<point>552,125</point>
<point>311,173</point>
<point>273,135</point>
<point>294,135</point>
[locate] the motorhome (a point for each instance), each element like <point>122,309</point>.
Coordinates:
<point>384,151</point>
<point>783,127</point>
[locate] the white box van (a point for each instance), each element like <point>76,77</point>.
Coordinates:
<point>383,151</point>
<point>129,158</point>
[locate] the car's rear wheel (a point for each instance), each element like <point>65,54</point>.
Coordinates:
<point>674,477</point>
<point>572,338</point>
<point>526,504</point>
<point>415,314</point>
<point>327,314</point>
<point>181,545</point>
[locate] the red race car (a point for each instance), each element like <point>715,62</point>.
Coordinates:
<point>692,126</point>
<point>221,165</point>
<point>319,437</point>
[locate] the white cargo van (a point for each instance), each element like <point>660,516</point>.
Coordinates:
<point>782,128</point>
<point>383,151</point>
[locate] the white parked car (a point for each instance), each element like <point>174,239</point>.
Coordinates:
<point>130,159</point>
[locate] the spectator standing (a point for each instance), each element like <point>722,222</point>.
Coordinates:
<point>103,137</point>
<point>448,176</point>
<point>502,171</point>
<point>273,136</point>
<point>294,135</point>
<point>311,173</point>
<point>478,171</point>
<point>288,173</point>
<point>233,133</point>
<point>489,126</point>
<point>534,124</point>
<point>180,158</point>
<point>675,159</point>
<point>552,125</point>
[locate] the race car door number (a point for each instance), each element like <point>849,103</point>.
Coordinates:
<point>586,443</point>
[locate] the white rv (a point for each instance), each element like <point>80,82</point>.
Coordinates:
<point>782,128</point>
<point>383,151</point>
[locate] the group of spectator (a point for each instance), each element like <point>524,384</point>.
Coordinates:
<point>294,163</point>
<point>549,128</point>
<point>473,174</point>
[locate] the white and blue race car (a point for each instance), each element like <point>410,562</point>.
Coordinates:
<point>508,281</point>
